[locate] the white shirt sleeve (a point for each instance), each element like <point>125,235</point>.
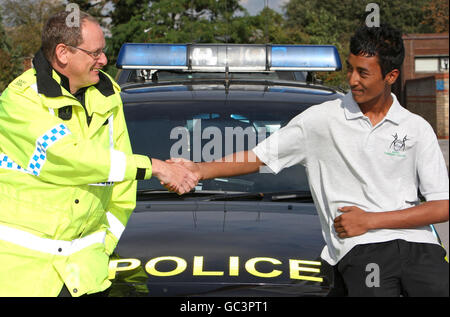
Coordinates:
<point>284,148</point>
<point>431,168</point>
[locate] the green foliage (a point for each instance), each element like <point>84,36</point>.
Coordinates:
<point>21,33</point>
<point>334,21</point>
<point>173,21</point>
<point>436,15</point>
<point>219,21</point>
<point>10,62</point>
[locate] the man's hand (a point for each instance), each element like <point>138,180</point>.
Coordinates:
<point>174,177</point>
<point>353,222</point>
<point>240,163</point>
<point>191,166</point>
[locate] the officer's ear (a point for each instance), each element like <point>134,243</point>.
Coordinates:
<point>62,54</point>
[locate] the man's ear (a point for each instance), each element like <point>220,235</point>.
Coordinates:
<point>61,54</point>
<point>392,76</point>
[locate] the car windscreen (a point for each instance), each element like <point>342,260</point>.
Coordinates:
<point>144,75</point>
<point>208,130</point>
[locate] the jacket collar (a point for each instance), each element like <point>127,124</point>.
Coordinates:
<point>50,82</point>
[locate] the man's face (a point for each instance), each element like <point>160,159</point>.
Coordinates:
<point>365,79</point>
<point>83,68</point>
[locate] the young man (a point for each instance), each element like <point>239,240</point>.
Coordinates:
<point>366,157</point>
<point>67,172</point>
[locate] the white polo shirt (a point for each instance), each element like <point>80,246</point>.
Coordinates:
<point>349,162</point>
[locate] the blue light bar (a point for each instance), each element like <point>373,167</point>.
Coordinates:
<point>234,57</point>
<point>152,56</point>
<point>305,58</point>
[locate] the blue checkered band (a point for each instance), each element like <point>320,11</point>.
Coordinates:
<point>40,153</point>
<point>42,144</point>
<point>103,184</point>
<point>7,163</point>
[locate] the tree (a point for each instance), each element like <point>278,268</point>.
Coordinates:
<point>436,15</point>
<point>94,8</point>
<point>266,27</point>
<point>25,22</point>
<point>10,62</point>
<point>173,21</point>
<point>176,20</point>
<point>334,21</point>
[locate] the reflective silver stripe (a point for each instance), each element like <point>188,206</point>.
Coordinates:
<point>34,87</point>
<point>118,166</point>
<point>118,159</point>
<point>111,131</point>
<point>115,226</point>
<point>111,147</point>
<point>56,247</point>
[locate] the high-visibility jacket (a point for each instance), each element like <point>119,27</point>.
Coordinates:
<point>67,188</point>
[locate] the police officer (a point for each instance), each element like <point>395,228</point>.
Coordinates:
<point>67,171</point>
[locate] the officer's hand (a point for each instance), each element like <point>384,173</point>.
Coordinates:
<point>193,167</point>
<point>174,177</point>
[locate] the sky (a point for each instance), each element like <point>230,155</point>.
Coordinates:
<point>255,6</point>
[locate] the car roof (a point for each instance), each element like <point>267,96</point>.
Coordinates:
<point>236,91</point>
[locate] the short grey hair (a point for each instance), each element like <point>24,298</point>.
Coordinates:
<point>57,30</point>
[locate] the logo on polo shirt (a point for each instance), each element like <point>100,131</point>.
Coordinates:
<point>397,146</point>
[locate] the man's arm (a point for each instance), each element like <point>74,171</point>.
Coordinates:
<point>240,163</point>
<point>355,221</point>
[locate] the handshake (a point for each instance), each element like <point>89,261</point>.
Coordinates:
<point>177,175</point>
<point>181,175</point>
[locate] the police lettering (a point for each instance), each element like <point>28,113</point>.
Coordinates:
<point>298,269</point>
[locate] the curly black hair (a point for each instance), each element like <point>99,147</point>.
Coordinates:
<point>384,41</point>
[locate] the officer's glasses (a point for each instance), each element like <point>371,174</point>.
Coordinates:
<point>95,55</point>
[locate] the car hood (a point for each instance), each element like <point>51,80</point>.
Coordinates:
<point>220,248</point>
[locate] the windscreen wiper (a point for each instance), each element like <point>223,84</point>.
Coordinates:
<point>155,194</point>
<point>232,196</point>
<point>263,196</point>
<point>292,195</point>
<point>218,195</point>
<point>207,195</point>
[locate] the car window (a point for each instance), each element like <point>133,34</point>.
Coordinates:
<point>143,75</point>
<point>206,131</point>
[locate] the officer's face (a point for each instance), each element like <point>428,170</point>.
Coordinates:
<point>366,80</point>
<point>84,68</point>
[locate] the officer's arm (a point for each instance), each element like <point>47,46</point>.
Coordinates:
<point>43,146</point>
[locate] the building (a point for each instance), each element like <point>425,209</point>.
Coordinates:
<point>424,79</point>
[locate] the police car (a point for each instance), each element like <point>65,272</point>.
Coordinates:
<point>252,235</point>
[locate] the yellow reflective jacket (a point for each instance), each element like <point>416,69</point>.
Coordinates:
<point>67,188</point>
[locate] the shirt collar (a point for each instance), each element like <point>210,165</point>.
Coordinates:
<point>352,110</point>
<point>51,86</point>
